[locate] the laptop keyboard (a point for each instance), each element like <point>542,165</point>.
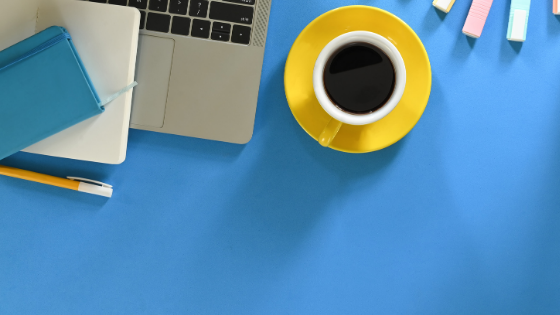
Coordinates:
<point>225,20</point>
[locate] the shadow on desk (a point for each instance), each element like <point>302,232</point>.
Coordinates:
<point>294,184</point>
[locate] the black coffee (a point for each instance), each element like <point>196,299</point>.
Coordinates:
<point>359,78</point>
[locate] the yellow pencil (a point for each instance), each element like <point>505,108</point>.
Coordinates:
<point>73,183</point>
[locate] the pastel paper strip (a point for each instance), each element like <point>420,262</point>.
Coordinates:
<point>444,5</point>
<point>477,18</point>
<point>518,20</point>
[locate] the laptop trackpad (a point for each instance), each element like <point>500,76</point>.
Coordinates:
<point>153,68</point>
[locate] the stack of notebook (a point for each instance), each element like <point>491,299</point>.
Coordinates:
<point>63,75</point>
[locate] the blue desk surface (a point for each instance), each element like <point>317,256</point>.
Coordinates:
<point>460,217</point>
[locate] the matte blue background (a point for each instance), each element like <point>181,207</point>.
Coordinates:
<point>460,217</point>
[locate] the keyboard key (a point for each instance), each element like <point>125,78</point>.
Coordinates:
<point>142,19</point>
<point>241,34</point>
<point>201,28</point>
<point>224,37</point>
<point>199,8</point>
<point>181,25</point>
<point>250,2</point>
<point>178,7</point>
<point>118,2</point>
<point>231,12</point>
<point>139,4</point>
<point>158,5</point>
<point>221,27</point>
<point>158,22</point>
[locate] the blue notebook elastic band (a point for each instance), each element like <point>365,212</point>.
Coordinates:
<point>119,93</point>
<point>46,45</point>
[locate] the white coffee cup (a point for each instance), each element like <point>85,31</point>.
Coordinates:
<point>340,116</point>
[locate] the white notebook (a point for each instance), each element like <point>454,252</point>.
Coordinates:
<point>106,37</point>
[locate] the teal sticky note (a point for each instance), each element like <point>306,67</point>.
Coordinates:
<point>44,89</point>
<point>518,20</point>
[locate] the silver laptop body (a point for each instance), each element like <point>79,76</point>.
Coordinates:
<point>199,66</point>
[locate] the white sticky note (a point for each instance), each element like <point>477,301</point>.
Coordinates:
<point>518,27</point>
<point>556,6</point>
<point>444,4</point>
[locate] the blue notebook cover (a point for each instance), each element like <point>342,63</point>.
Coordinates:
<point>44,89</point>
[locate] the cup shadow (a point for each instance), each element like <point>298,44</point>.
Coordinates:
<point>286,191</point>
<point>294,184</point>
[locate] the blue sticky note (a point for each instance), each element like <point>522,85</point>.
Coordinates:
<point>44,89</point>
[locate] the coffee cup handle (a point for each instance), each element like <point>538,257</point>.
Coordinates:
<point>330,132</point>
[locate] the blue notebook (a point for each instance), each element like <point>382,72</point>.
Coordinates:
<point>44,89</point>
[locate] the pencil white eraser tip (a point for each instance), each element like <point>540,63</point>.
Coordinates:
<point>96,190</point>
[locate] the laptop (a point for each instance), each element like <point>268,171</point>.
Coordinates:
<point>199,66</point>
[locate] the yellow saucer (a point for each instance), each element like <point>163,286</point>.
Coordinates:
<point>298,78</point>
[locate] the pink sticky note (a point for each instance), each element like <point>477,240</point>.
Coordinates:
<point>477,18</point>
